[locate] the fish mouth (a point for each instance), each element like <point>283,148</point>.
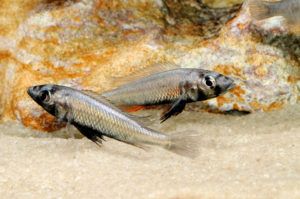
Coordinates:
<point>231,86</point>
<point>31,91</point>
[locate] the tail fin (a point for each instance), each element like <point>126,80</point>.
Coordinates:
<point>259,10</point>
<point>185,144</point>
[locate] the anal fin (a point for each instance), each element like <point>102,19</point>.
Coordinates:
<point>145,148</point>
<point>146,120</point>
<point>138,145</point>
<point>132,108</point>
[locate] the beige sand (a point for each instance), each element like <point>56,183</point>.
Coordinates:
<point>253,156</point>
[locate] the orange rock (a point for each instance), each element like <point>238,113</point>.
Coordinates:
<point>223,100</point>
<point>85,43</point>
<point>255,105</point>
<point>273,106</point>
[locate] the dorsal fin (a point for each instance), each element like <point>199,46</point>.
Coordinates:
<point>94,95</point>
<point>154,69</point>
<point>101,98</point>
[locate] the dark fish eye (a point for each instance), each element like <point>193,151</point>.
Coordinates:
<point>210,81</point>
<point>44,96</point>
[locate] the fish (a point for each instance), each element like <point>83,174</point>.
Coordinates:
<point>175,86</point>
<point>288,9</point>
<point>96,117</point>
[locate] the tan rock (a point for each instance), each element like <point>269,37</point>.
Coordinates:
<point>84,43</point>
<point>223,3</point>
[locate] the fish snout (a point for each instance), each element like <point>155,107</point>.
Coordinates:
<point>225,83</point>
<point>231,86</point>
<point>33,91</point>
<point>229,83</point>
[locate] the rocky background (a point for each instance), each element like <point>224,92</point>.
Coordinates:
<point>83,43</point>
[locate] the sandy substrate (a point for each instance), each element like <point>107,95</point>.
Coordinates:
<point>253,156</point>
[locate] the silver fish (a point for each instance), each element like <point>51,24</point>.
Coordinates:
<point>289,9</point>
<point>95,117</point>
<point>177,86</point>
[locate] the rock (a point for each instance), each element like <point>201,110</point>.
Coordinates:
<point>83,43</point>
<point>223,3</point>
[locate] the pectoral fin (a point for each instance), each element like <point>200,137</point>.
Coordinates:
<point>90,133</point>
<point>175,109</point>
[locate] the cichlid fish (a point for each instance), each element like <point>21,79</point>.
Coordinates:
<point>289,9</point>
<point>95,117</point>
<point>177,86</point>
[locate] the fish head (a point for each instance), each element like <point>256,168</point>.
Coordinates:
<point>212,84</point>
<point>47,97</point>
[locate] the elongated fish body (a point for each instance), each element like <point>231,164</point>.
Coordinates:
<point>178,86</point>
<point>289,9</point>
<point>155,89</point>
<point>94,117</point>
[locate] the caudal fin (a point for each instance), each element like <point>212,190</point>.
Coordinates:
<point>259,10</point>
<point>185,144</point>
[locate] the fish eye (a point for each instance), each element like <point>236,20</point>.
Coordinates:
<point>210,81</point>
<point>44,96</point>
